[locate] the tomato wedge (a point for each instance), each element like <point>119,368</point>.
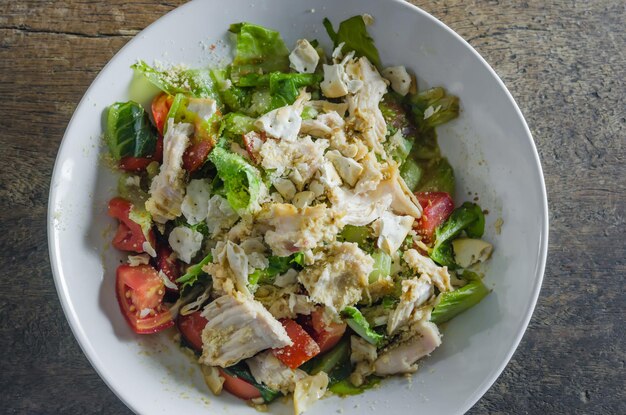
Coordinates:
<point>129,235</point>
<point>437,206</point>
<point>134,164</point>
<point>140,294</point>
<point>327,335</point>
<point>239,387</point>
<point>196,154</point>
<point>302,349</point>
<point>168,264</point>
<point>190,327</point>
<point>161,105</point>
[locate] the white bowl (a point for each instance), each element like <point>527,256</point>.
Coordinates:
<point>490,147</point>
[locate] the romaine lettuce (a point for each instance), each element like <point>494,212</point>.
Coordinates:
<point>195,82</point>
<point>455,302</point>
<point>469,218</point>
<point>258,50</point>
<point>242,182</point>
<point>353,33</point>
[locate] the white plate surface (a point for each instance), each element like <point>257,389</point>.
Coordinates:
<point>490,147</point>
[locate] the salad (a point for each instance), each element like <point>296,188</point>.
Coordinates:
<point>292,216</point>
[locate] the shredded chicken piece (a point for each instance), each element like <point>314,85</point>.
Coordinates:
<point>363,106</point>
<point>427,267</point>
<point>293,229</point>
<point>268,370</point>
<point>419,340</point>
<point>338,280</point>
<point>229,268</point>
<point>415,292</point>
<point>238,328</point>
<point>167,189</point>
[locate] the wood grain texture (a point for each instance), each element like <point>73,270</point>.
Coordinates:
<point>563,61</point>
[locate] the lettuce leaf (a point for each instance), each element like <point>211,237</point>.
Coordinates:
<point>359,324</point>
<point>242,182</point>
<point>195,82</point>
<point>353,33</point>
<point>455,302</point>
<point>469,218</point>
<point>129,131</point>
<point>277,265</point>
<point>258,50</point>
<point>283,87</point>
<point>433,107</point>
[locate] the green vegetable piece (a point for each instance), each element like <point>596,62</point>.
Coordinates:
<point>455,302</point>
<point>284,87</point>
<point>438,177</point>
<point>468,217</point>
<point>242,182</point>
<point>129,131</point>
<point>359,324</point>
<point>240,370</point>
<point>382,266</point>
<point>329,360</point>
<point>411,172</point>
<point>194,271</point>
<point>356,234</point>
<point>258,50</point>
<point>398,148</point>
<point>277,265</point>
<point>235,98</point>
<point>345,388</point>
<point>353,33</point>
<point>180,112</point>
<point>434,107</point>
<point>195,82</point>
<point>234,125</point>
<point>425,146</point>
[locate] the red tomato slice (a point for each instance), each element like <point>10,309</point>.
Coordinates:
<point>327,335</point>
<point>196,154</point>
<point>129,236</point>
<point>190,327</point>
<point>437,206</point>
<point>303,348</point>
<point>239,387</point>
<point>168,264</point>
<point>134,164</point>
<point>139,288</point>
<point>160,108</point>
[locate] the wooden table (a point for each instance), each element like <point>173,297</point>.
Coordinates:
<point>565,64</point>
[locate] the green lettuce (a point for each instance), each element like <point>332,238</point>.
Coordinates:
<point>433,107</point>
<point>438,176</point>
<point>359,324</point>
<point>283,87</point>
<point>129,131</point>
<point>258,50</point>
<point>455,302</point>
<point>382,266</point>
<point>353,33</point>
<point>242,182</point>
<point>194,82</point>
<point>277,266</point>
<point>194,272</point>
<point>469,218</point>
